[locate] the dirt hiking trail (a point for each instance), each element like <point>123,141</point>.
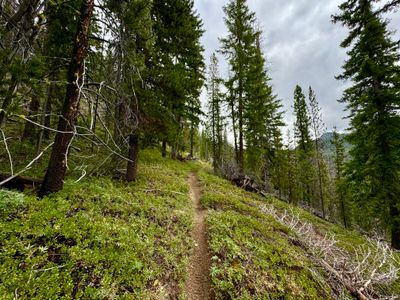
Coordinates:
<point>198,284</point>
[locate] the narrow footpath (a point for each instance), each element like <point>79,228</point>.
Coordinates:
<point>198,284</point>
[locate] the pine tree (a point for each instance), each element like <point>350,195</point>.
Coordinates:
<point>262,117</point>
<point>373,103</point>
<point>304,145</point>
<point>57,167</point>
<point>238,47</point>
<point>338,160</point>
<point>291,178</point>
<point>133,37</point>
<point>177,66</point>
<point>215,113</point>
<point>317,127</point>
<point>17,51</point>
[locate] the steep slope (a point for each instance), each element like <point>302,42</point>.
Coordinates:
<point>100,238</point>
<point>103,239</point>
<point>266,249</point>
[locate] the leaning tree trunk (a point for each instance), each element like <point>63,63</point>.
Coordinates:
<point>131,170</point>
<point>53,180</point>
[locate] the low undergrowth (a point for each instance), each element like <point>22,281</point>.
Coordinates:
<point>99,238</point>
<point>258,255</point>
<point>254,256</point>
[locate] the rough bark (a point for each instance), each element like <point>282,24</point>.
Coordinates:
<point>131,170</point>
<point>57,167</point>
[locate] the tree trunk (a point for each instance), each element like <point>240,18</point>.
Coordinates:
<point>53,180</point>
<point>234,132</point>
<point>395,214</point>
<point>344,212</point>
<point>29,130</point>
<point>174,151</point>
<point>131,170</point>
<point>321,193</point>
<point>240,120</point>
<point>48,107</point>
<point>164,148</point>
<point>191,141</point>
<point>96,107</point>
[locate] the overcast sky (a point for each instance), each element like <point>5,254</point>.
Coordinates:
<point>301,46</point>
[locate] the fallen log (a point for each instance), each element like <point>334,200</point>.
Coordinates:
<point>19,183</point>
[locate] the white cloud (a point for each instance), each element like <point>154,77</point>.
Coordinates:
<point>301,46</point>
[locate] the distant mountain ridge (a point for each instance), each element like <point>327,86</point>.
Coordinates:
<point>328,148</point>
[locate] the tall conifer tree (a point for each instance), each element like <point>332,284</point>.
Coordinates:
<point>238,47</point>
<point>338,160</point>
<point>262,117</point>
<point>304,144</point>
<point>317,126</point>
<point>178,66</point>
<point>215,110</point>
<point>373,103</point>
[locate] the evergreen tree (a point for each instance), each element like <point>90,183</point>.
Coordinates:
<point>302,123</point>
<point>317,127</point>
<point>57,168</point>
<point>215,113</point>
<point>262,117</point>
<point>177,66</point>
<point>17,60</point>
<point>338,160</point>
<point>291,181</point>
<point>133,36</point>
<point>373,103</point>
<point>304,145</point>
<point>238,47</point>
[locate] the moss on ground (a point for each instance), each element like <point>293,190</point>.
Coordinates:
<point>105,239</point>
<point>99,238</point>
<point>254,256</point>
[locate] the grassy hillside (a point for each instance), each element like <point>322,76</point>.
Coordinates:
<point>99,239</point>
<point>264,248</point>
<point>103,239</point>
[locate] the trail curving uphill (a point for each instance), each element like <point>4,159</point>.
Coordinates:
<point>198,284</point>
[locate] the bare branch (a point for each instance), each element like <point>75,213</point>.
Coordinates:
<point>8,152</point>
<point>27,167</point>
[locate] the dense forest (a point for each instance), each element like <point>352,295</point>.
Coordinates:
<point>84,85</point>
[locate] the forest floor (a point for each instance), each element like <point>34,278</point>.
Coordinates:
<point>198,284</point>
<point>171,235</point>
